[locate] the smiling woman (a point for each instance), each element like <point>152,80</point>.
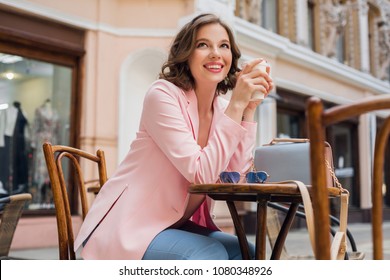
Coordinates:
<point>187,134</point>
<point>176,69</point>
<point>211,59</point>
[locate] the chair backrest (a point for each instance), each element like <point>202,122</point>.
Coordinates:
<point>11,208</point>
<point>53,156</point>
<point>320,118</point>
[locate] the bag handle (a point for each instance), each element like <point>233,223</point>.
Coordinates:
<point>288,140</point>
<point>291,140</point>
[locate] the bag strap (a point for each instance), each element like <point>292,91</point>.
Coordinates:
<point>339,243</point>
<point>306,200</point>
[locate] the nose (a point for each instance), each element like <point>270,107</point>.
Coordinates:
<point>214,53</point>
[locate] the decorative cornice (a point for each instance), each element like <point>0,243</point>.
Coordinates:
<point>274,45</point>
<point>309,91</point>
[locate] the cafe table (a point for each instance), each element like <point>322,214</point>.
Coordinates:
<point>261,194</point>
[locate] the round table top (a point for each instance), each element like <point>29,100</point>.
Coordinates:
<point>269,188</point>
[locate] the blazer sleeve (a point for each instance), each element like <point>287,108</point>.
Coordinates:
<point>242,158</point>
<point>164,120</point>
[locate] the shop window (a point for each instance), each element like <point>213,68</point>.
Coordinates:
<point>342,138</point>
<point>288,125</point>
<point>40,100</point>
<point>310,24</point>
<point>269,15</point>
<point>35,107</point>
<point>291,122</point>
<point>340,48</point>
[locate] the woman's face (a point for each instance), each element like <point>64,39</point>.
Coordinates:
<point>211,59</point>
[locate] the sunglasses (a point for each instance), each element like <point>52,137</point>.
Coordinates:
<point>254,177</point>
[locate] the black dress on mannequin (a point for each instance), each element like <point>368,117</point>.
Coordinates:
<point>20,159</point>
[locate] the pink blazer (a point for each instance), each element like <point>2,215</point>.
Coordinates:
<point>148,191</point>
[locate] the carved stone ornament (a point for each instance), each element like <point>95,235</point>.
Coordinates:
<point>250,10</point>
<point>384,49</point>
<point>335,15</point>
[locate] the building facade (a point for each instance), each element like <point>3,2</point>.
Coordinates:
<point>75,73</point>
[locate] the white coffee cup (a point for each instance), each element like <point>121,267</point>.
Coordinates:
<point>258,95</point>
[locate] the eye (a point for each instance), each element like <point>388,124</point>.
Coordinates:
<point>225,45</point>
<point>201,45</point>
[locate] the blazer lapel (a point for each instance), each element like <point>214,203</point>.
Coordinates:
<point>219,109</point>
<point>192,110</point>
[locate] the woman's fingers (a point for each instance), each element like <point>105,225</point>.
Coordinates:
<point>252,79</point>
<point>267,81</point>
<point>248,66</point>
<point>258,77</point>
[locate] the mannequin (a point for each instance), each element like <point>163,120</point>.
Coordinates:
<point>14,161</point>
<point>46,128</point>
<point>3,192</point>
<point>4,158</point>
<point>20,159</point>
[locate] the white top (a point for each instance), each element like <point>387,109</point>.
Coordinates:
<point>10,121</point>
<point>2,127</point>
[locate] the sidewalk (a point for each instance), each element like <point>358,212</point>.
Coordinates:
<point>297,243</point>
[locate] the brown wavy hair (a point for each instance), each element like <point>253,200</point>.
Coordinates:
<point>176,69</point>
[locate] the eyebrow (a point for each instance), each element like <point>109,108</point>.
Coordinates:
<point>207,40</point>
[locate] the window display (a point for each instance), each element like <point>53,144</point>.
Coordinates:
<point>34,108</point>
<point>45,128</point>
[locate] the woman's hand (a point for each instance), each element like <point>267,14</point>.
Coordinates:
<point>250,80</point>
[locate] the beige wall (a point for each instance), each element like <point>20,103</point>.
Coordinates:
<point>121,13</point>
<point>318,81</point>
<point>101,90</point>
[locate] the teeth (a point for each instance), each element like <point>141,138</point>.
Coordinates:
<point>214,66</point>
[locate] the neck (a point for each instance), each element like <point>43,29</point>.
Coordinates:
<point>205,96</point>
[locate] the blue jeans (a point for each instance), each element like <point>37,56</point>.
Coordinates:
<point>194,242</point>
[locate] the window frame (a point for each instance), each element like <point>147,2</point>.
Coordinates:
<point>51,42</point>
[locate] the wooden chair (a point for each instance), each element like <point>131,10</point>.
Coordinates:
<point>11,208</point>
<point>60,188</point>
<point>320,118</point>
